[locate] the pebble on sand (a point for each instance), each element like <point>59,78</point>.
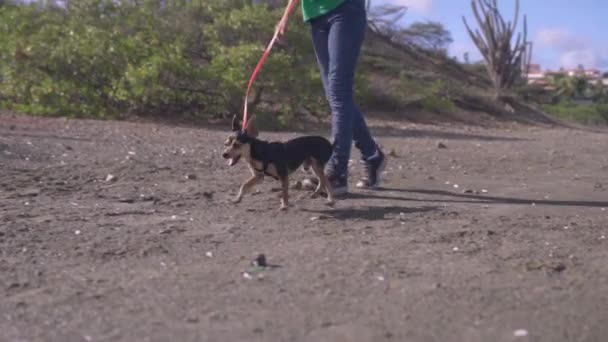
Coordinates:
<point>520,333</point>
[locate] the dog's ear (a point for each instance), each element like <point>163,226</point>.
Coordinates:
<point>236,123</point>
<point>251,129</point>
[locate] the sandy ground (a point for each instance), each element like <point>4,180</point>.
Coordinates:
<point>501,236</point>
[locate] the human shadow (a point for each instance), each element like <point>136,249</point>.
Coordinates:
<point>472,198</point>
<point>386,131</point>
<point>370,213</point>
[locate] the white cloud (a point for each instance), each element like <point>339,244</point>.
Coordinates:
<point>421,6</point>
<point>572,49</point>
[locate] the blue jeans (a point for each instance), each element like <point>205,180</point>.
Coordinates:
<point>337,38</point>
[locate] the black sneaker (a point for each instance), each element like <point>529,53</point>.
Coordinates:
<point>339,185</point>
<point>373,170</point>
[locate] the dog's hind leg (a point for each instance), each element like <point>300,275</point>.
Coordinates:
<point>284,193</point>
<point>323,182</point>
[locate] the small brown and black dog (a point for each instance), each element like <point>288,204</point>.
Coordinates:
<point>277,159</point>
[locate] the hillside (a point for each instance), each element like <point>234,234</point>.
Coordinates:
<point>192,61</point>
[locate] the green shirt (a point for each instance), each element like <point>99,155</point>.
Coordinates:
<point>315,8</point>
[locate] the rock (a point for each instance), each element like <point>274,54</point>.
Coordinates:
<point>208,194</point>
<point>392,153</point>
<point>260,261</point>
<point>111,178</point>
<point>297,185</point>
<point>309,184</point>
<point>441,145</point>
<point>190,176</point>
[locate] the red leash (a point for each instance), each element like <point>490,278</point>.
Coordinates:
<point>292,5</point>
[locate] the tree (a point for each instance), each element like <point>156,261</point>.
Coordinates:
<point>428,35</point>
<point>503,58</point>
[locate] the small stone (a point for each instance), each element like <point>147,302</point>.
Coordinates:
<point>484,191</point>
<point>77,232</point>
<point>456,186</point>
<point>467,191</point>
<point>190,176</point>
<point>392,153</point>
<point>297,185</point>
<point>455,249</point>
<point>209,255</point>
<point>380,278</point>
<point>208,194</point>
<point>131,153</point>
<point>309,184</point>
<point>520,333</point>
<point>246,275</point>
<point>441,145</point>
<point>111,178</point>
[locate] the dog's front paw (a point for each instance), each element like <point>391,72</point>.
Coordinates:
<point>237,200</point>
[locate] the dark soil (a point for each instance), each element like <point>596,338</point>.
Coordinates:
<point>122,231</point>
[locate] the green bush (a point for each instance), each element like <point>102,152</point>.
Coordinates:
<point>591,114</point>
<point>101,58</point>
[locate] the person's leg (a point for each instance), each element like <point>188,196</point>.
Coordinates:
<point>347,26</point>
<point>320,30</point>
<point>337,39</point>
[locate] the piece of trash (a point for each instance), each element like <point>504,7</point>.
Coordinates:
<point>603,237</point>
<point>455,249</point>
<point>131,153</point>
<point>456,186</point>
<point>381,278</point>
<point>484,191</point>
<point>173,217</point>
<point>566,227</point>
<point>209,255</point>
<point>77,232</point>
<point>520,333</point>
<point>247,276</point>
<point>110,178</point>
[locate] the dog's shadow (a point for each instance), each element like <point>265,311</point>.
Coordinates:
<point>371,213</point>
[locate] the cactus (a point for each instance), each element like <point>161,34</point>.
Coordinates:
<point>505,61</point>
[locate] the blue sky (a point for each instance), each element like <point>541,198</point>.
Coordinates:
<point>564,32</point>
